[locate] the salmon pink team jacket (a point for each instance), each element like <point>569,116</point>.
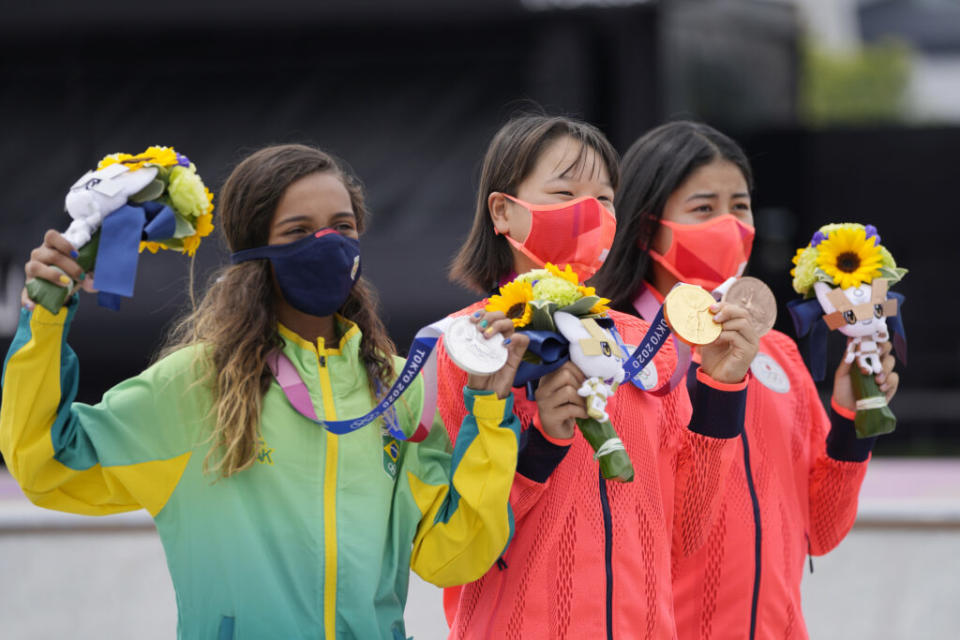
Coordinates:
<point>591,558</point>
<point>791,491</point>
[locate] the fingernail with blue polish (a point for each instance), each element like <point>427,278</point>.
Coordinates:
<point>483,324</point>
<point>478,314</point>
<point>74,254</point>
<point>506,342</point>
<point>83,276</point>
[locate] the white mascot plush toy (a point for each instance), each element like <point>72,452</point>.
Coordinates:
<point>98,194</point>
<point>595,351</point>
<point>859,313</point>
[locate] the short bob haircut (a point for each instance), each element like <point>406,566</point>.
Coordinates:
<point>653,168</point>
<point>485,257</point>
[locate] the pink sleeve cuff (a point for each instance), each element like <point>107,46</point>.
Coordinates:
<point>722,386</point>
<point>849,414</point>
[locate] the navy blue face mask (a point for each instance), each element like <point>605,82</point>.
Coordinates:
<point>315,273</point>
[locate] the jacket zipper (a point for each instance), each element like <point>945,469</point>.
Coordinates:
<point>607,553</point>
<point>331,458</point>
<point>757,536</point>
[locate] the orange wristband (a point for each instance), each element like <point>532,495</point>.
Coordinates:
<point>703,377</point>
<point>560,442</point>
<point>849,414</point>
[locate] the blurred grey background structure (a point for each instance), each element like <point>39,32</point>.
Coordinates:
<point>849,110</point>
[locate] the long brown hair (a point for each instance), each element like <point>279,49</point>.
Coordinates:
<point>513,153</point>
<point>236,320</point>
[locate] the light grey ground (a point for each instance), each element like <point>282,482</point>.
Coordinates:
<point>884,582</point>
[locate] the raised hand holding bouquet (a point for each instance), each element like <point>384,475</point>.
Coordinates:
<point>844,272</point>
<point>153,200</point>
<point>566,320</point>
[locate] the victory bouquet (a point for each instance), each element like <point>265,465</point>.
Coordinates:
<point>567,321</point>
<point>844,273</point>
<point>153,200</point>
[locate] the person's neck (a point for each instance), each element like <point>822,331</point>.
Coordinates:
<point>661,279</point>
<point>521,263</point>
<point>306,326</point>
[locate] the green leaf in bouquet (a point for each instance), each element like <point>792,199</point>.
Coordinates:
<point>150,192</point>
<point>173,243</point>
<point>581,307</point>
<point>893,274</point>
<point>541,316</point>
<point>184,228</point>
<point>822,275</point>
<point>163,173</point>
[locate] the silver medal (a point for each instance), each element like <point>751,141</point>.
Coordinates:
<point>470,351</point>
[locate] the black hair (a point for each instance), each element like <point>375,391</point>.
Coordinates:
<point>652,169</point>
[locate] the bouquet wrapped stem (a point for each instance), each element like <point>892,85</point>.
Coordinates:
<point>52,297</point>
<point>609,452</point>
<point>871,420</point>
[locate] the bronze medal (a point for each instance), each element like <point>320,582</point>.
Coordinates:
<point>758,301</point>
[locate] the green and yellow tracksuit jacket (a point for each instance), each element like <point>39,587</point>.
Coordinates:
<point>317,538</point>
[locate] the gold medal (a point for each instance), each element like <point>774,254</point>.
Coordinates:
<point>687,310</point>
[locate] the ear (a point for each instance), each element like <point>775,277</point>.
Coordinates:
<point>497,206</point>
<point>823,291</point>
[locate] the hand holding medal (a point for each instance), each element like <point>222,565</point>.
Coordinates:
<point>725,332</point>
<point>486,347</point>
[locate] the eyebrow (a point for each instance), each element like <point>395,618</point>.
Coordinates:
<point>706,195</point>
<point>303,218</point>
<point>565,178</point>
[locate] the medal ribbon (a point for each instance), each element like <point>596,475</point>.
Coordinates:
<point>422,358</point>
<point>647,307</point>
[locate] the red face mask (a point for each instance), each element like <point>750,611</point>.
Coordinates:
<point>708,253</point>
<point>578,233</point>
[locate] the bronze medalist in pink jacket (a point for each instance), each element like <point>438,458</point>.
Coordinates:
<point>791,491</point>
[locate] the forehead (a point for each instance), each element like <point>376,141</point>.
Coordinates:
<point>718,175</point>
<point>566,157</point>
<point>315,194</point>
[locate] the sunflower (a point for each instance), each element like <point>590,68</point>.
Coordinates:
<point>512,301</point>
<point>162,156</point>
<point>567,274</point>
<point>190,244</point>
<point>849,257</point>
<point>600,306</point>
<point>152,247</point>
